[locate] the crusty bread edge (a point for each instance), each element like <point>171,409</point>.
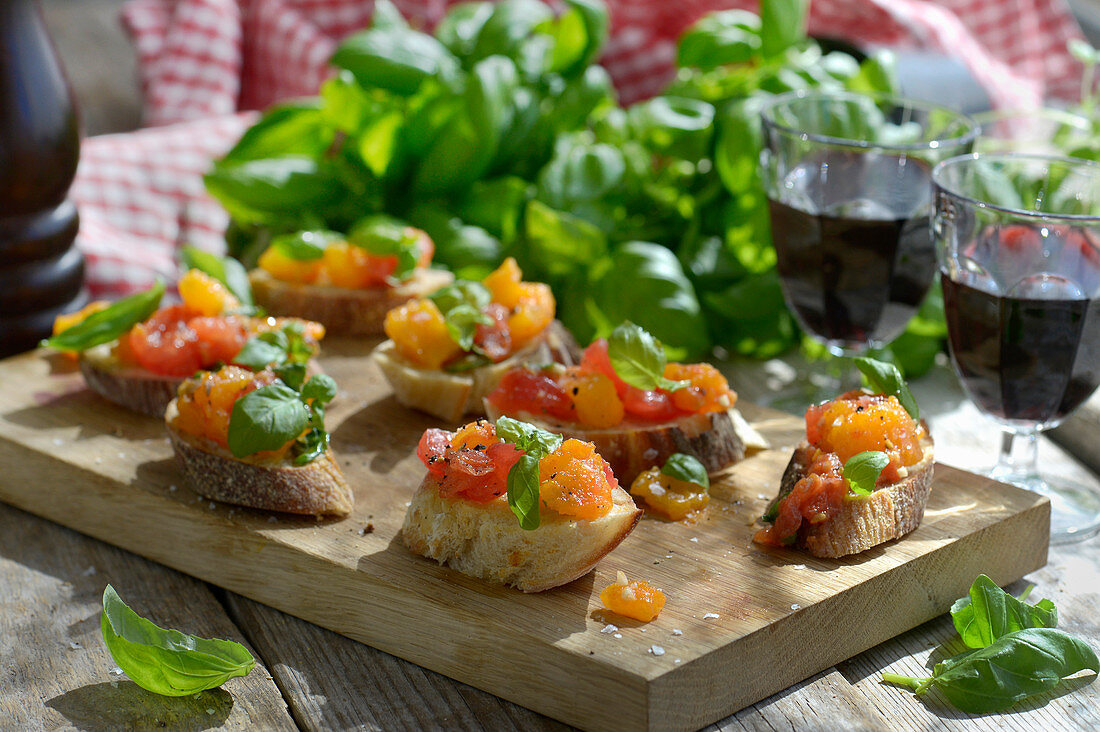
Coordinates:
<point>137,390</point>
<point>888,513</point>
<point>318,488</point>
<point>427,499</point>
<point>341,310</point>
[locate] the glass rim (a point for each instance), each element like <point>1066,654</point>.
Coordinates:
<point>767,116</point>
<point>938,183</point>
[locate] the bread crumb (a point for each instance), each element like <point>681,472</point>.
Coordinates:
<point>609,628</point>
<point>711,616</point>
<point>368,529</point>
<point>657,650</point>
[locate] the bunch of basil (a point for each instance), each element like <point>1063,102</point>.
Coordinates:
<point>499,136</point>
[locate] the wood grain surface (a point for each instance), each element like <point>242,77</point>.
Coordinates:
<point>109,473</point>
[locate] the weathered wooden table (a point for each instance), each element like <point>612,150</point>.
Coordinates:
<point>56,672</point>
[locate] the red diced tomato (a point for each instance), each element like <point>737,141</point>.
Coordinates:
<point>521,390</point>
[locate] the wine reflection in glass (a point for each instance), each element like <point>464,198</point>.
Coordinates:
<point>848,183</point>
<point>1018,245</point>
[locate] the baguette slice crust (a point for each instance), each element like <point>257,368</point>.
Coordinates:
<point>130,387</point>
<point>888,513</point>
<point>485,540</point>
<point>341,310</point>
<point>318,488</point>
<point>449,396</point>
<point>716,439</point>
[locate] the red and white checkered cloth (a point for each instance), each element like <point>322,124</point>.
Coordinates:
<point>205,61</point>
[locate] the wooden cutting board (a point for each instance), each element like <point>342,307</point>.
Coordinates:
<point>741,622</point>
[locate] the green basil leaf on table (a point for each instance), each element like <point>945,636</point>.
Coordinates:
<point>686,468</point>
<point>395,59</point>
<point>166,661</point>
<point>523,491</point>
<point>305,246</point>
<point>884,378</point>
<point>719,39</point>
<point>1017,665</point>
<point>861,471</point>
<point>266,419</point>
<point>533,440</point>
<point>782,24</point>
<point>109,323</point>
<point>988,612</point>
<point>639,359</point>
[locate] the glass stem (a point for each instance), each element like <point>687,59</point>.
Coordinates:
<point>1018,461</point>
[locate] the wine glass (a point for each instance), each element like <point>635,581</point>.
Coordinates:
<point>1018,245</point>
<point>847,177</point>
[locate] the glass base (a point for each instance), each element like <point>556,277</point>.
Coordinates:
<point>1074,509</point>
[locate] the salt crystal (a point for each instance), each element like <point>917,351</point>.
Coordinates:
<point>609,628</point>
<point>796,606</point>
<point>617,635</point>
<point>676,660</point>
<point>122,456</point>
<point>75,646</point>
<point>761,496</point>
<point>695,539</point>
<point>408,503</point>
<point>172,489</point>
<point>643,630</point>
<point>711,616</point>
<point>677,631</point>
<point>657,650</point>
<point>89,571</point>
<point>116,671</point>
<point>99,459</point>
<point>58,441</point>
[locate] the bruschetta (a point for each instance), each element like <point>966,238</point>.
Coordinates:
<point>515,505</point>
<point>636,420</point>
<point>862,477</point>
<point>347,282</point>
<point>251,439</point>
<point>136,353</point>
<point>448,350</point>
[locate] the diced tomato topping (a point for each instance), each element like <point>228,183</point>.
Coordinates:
<point>431,447</point>
<point>708,390</point>
<point>532,392</point>
<point>596,360</point>
<point>813,499</point>
<point>858,422</point>
<point>651,406</point>
<point>494,339</point>
<point>219,339</point>
<point>573,481</point>
<point>468,465</point>
<point>206,401</point>
<point>173,343</point>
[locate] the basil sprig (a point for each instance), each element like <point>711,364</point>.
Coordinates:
<point>523,477</point>
<point>386,236</point>
<point>861,472</point>
<point>463,304</point>
<point>271,416</point>
<point>1017,653</point>
<point>166,661</point>
<point>305,246</point>
<point>225,270</point>
<point>639,358</point>
<point>284,349</point>
<point>686,468</point>
<point>884,378</point>
<point>111,322</point>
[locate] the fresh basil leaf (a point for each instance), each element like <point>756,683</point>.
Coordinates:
<point>884,378</point>
<point>532,440</point>
<point>305,246</point>
<point>462,322</point>
<point>386,236</point>
<point>109,323</point>
<point>523,491</point>
<point>559,242</point>
<point>466,362</point>
<point>1020,664</point>
<point>395,59</point>
<point>311,446</point>
<point>782,25</point>
<point>266,419</point>
<point>862,471</point>
<point>508,27</point>
<point>461,292</point>
<point>459,29</point>
<point>988,613</point>
<point>294,128</point>
<point>386,15</point>
<point>225,270</point>
<point>321,388</point>
<point>166,661</point>
<point>579,35</point>
<point>291,374</point>
<point>274,188</point>
<point>639,358</point>
<point>257,354</point>
<point>682,466</point>
<point>719,39</point>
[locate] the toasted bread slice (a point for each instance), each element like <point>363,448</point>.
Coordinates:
<point>717,440</point>
<point>318,488</point>
<point>341,310</point>
<point>128,386</point>
<point>485,539</point>
<point>451,395</point>
<point>889,512</point>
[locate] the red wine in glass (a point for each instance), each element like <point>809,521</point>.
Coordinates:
<point>853,251</point>
<point>1026,346</point>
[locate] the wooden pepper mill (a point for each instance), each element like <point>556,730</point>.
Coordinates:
<point>41,273</point>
